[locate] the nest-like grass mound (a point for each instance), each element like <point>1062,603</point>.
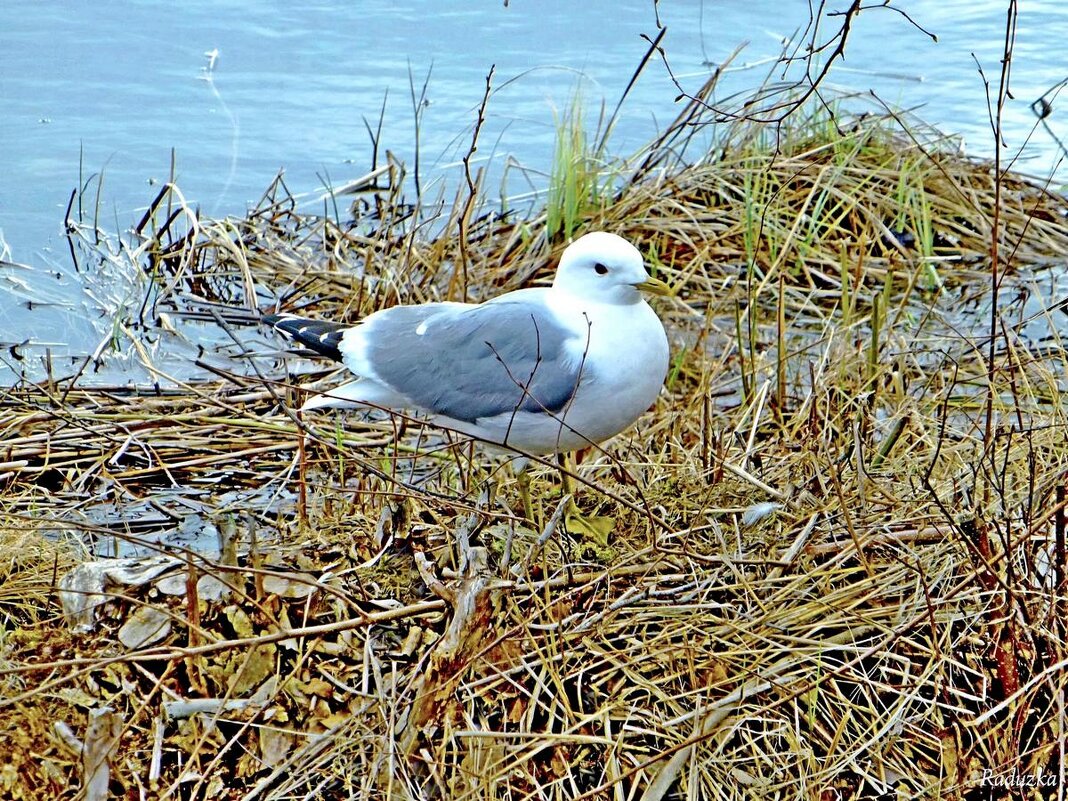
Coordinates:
<point>838,564</point>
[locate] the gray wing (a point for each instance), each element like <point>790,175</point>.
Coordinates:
<point>475,361</point>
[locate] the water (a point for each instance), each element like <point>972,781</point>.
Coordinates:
<point>102,94</point>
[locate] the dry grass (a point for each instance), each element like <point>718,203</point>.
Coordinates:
<point>894,623</point>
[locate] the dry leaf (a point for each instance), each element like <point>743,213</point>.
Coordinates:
<point>145,626</point>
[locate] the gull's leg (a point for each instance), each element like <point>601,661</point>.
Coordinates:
<point>591,527</point>
<point>522,478</point>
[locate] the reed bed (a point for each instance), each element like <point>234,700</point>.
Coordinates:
<point>838,569</point>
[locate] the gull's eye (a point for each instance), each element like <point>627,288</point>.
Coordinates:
<point>600,269</point>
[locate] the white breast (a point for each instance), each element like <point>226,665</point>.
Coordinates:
<point>629,341</point>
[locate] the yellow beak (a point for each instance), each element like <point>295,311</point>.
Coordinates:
<point>654,286</point>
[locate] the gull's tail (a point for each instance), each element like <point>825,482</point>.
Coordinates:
<point>324,339</point>
<point>320,336</point>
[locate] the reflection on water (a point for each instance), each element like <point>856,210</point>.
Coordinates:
<point>100,95</point>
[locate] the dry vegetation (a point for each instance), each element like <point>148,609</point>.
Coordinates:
<point>834,573</point>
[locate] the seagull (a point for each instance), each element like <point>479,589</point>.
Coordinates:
<point>542,370</point>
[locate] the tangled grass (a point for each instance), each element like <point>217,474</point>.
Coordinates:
<point>838,569</point>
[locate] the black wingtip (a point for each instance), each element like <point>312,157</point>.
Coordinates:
<point>320,336</point>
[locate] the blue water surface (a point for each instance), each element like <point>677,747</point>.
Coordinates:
<point>104,95</point>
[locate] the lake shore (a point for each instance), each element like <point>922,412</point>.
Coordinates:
<point>838,562</point>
